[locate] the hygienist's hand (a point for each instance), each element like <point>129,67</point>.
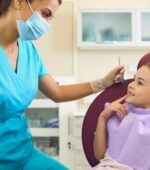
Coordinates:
<point>115,107</point>
<point>114,76</point>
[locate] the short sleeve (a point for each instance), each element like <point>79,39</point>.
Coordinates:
<point>41,68</point>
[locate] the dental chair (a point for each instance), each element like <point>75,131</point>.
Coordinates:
<point>90,121</point>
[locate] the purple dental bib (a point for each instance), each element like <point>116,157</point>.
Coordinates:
<point>129,138</point>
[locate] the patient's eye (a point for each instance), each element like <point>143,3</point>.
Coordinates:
<point>140,83</point>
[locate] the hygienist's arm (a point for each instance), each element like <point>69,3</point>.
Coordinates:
<point>62,93</point>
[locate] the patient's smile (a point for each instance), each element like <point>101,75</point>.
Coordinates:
<point>130,94</point>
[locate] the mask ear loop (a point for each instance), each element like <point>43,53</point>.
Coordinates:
<point>30,6</point>
<point>33,11</point>
<point>18,11</point>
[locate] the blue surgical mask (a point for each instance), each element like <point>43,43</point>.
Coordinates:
<point>33,28</point>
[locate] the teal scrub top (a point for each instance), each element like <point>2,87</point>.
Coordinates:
<point>17,90</point>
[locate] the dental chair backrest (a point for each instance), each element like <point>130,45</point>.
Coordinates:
<point>90,121</point>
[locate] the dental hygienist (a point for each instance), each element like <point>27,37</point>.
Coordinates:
<point>22,73</point>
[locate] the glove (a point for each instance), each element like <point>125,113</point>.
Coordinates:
<point>114,76</point>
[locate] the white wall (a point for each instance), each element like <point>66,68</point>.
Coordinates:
<point>59,46</point>
<point>94,63</point>
<point>56,46</point>
<point>136,4</point>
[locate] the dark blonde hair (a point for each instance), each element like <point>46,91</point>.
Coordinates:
<point>147,65</point>
<point>5,4</point>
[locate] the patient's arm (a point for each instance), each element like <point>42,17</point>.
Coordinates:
<point>100,143</point>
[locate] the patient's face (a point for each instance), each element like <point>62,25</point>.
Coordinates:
<point>139,90</point>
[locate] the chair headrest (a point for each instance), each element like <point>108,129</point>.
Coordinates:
<point>145,59</point>
<point>90,121</point>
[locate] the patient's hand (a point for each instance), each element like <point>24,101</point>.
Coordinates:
<point>115,107</point>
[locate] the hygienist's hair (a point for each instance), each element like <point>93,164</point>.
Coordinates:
<point>5,4</point>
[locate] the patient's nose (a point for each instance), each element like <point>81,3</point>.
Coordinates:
<point>131,85</point>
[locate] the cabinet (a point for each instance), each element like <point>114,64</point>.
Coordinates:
<point>113,29</point>
<point>144,27</point>
<point>48,123</point>
<point>79,159</point>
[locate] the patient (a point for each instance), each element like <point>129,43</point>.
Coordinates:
<point>122,138</point>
